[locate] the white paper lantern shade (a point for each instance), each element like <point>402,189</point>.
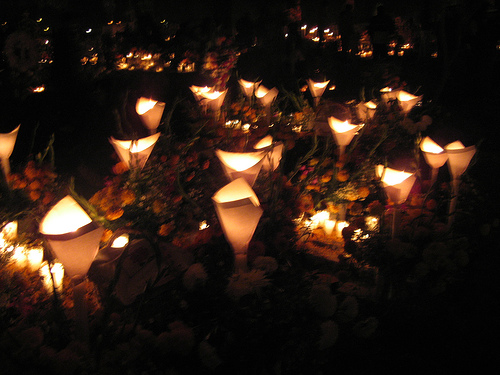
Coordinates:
<point>366,110</point>
<point>135,153</point>
<point>266,98</point>
<point>274,152</point>
<point>213,99</point>
<point>150,111</point>
<point>198,90</point>
<point>317,89</point>
<point>434,156</point>
<point>246,165</point>
<point>397,185</point>
<point>239,212</point>
<point>7,143</point>
<point>343,132</point>
<point>248,88</point>
<point>459,158</point>
<point>407,101</point>
<point>387,94</point>
<point>72,235</point>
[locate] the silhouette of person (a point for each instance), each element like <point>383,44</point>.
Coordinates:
<point>381,28</point>
<point>346,28</point>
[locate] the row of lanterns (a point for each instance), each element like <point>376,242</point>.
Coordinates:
<point>75,238</point>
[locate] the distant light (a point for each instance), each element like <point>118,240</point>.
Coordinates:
<point>88,31</point>
<point>39,20</point>
<point>47,41</point>
<point>38,89</point>
<point>203,225</point>
<point>46,29</point>
<point>111,22</point>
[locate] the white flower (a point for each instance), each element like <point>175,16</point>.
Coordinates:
<point>266,264</point>
<point>329,334</point>
<point>323,301</point>
<point>348,309</point>
<point>194,276</point>
<point>242,284</point>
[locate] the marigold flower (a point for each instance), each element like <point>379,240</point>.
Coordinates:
<point>47,198</point>
<point>326,178</point>
<point>114,213</point>
<point>166,229</point>
<point>158,207</point>
<point>342,176</point>
<point>35,195</point>
<point>363,191</point>
<point>120,168</point>
<point>106,235</point>
<point>127,197</point>
<point>35,185</point>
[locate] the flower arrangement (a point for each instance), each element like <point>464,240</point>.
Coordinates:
<point>219,61</point>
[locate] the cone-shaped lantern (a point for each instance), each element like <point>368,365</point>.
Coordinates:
<point>434,155</point>
<point>317,89</point>
<point>7,142</point>
<point>239,212</point>
<point>241,164</point>
<point>407,100</point>
<point>150,111</point>
<point>397,184</point>
<point>198,90</point>
<point>459,158</point>
<point>366,110</point>
<point>266,98</point>
<point>274,152</point>
<point>135,153</point>
<point>248,88</point>
<point>72,235</point>
<point>343,132</point>
<point>387,94</point>
<point>213,99</point>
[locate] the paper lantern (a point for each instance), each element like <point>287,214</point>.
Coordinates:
<point>7,142</point>
<point>135,153</point>
<point>329,226</point>
<point>266,98</point>
<point>239,212</point>
<point>397,184</point>
<point>366,110</point>
<point>343,132</point>
<point>150,111</point>
<point>199,90</point>
<point>274,152</point>
<point>213,99</point>
<point>34,256</point>
<point>317,89</point>
<point>72,235</point>
<point>387,94</point>
<point>241,164</point>
<point>434,155</point>
<point>459,158</point>
<point>248,88</point>
<point>407,100</point>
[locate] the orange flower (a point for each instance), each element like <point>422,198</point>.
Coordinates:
<point>114,213</point>
<point>363,191</point>
<point>35,185</point>
<point>166,229</point>
<point>106,235</point>
<point>157,207</point>
<point>326,178</point>
<point>47,198</point>
<point>127,197</point>
<point>120,168</point>
<point>35,195</point>
<point>342,176</point>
